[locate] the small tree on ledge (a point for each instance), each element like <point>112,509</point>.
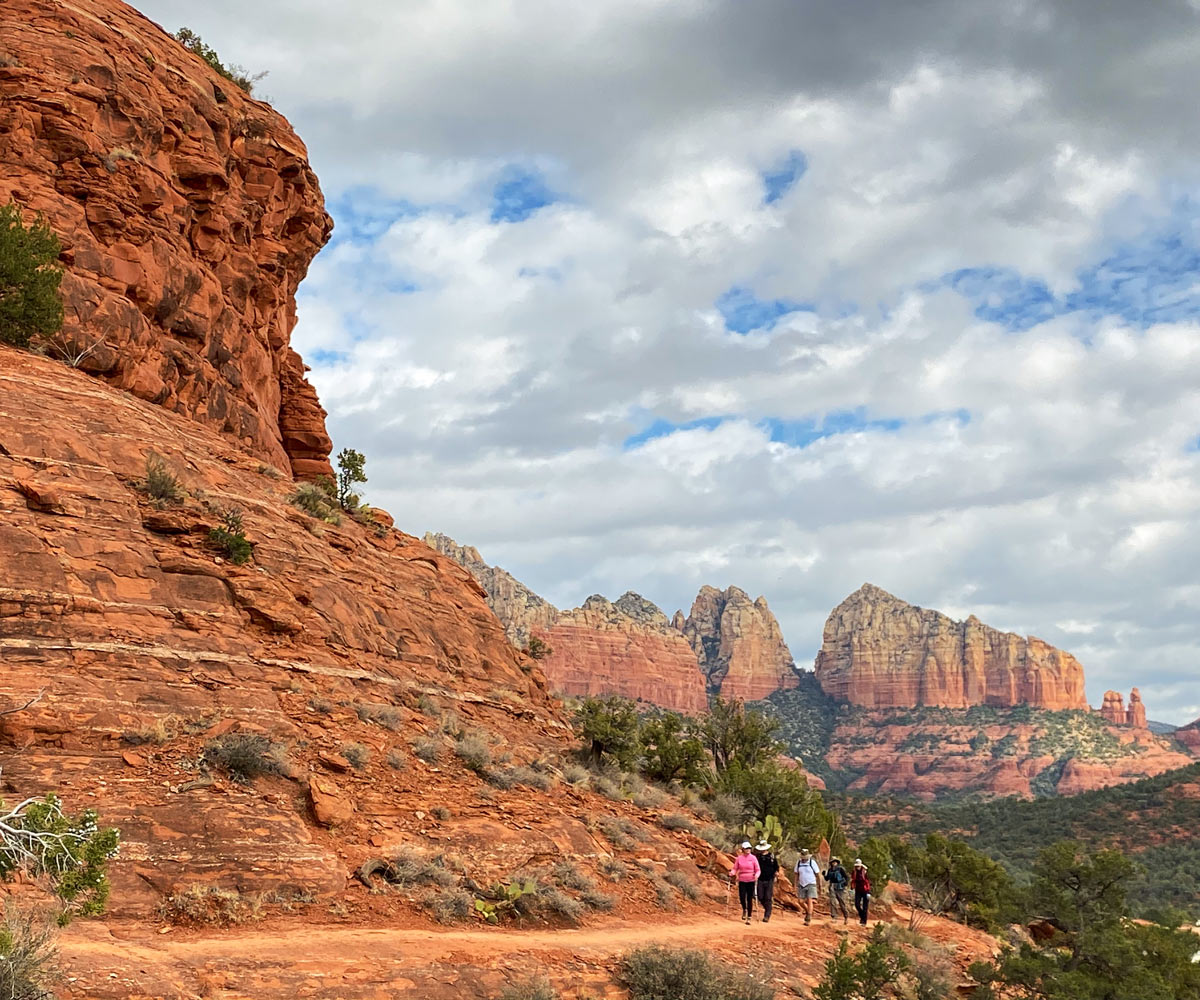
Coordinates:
<point>29,278</point>
<point>350,465</point>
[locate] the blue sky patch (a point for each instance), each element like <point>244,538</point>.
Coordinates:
<point>743,311</point>
<point>778,182</point>
<point>1153,279</point>
<point>518,194</point>
<point>363,214</point>
<point>802,433</point>
<point>664,428</point>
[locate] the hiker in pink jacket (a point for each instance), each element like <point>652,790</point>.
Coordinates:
<point>745,869</point>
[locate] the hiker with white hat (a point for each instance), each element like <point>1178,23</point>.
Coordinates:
<point>861,885</point>
<point>768,866</point>
<point>808,882</point>
<point>746,870</point>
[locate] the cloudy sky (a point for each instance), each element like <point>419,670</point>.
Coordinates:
<point>644,295</point>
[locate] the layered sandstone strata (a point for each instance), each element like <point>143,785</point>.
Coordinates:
<point>627,648</point>
<point>125,619</point>
<point>1113,708</point>
<point>1189,736</point>
<point>881,652</point>
<point>1135,715</point>
<point>522,612</point>
<point>188,214</point>
<point>738,644</point>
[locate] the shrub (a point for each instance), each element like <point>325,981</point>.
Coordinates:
<point>441,813</point>
<point>576,776</point>
<point>396,760</point>
<point>428,750</point>
<point>233,73</point>
<point>427,706</point>
<point>649,797</point>
<point>663,893</point>
<point>246,756</point>
<point>410,867</point>
<point>230,536</point>
<point>531,989</point>
<point>872,974</point>
<point>161,484</point>
<point>210,904</point>
<point>316,502</point>
<point>685,885</point>
<point>655,973</point>
<point>450,906</point>
<point>161,730</point>
<point>556,901</point>
<point>322,706</point>
<point>567,874</point>
<point>597,900</point>
<point>676,821</point>
<point>29,278</point>
<point>729,809</point>
<point>357,754</point>
<point>27,957</point>
<point>350,473</point>
<point>613,869</point>
<point>609,789</point>
<point>530,778</point>
<point>380,715</point>
<point>501,777</point>
<point>537,648</point>
<point>473,751</point>
<point>608,729</point>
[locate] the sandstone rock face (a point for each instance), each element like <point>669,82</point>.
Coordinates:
<point>1136,713</point>
<point>881,652</point>
<point>1189,736</point>
<point>128,620</point>
<point>738,644</point>
<point>522,612</point>
<point>1113,708</point>
<point>627,648</point>
<point>187,212</point>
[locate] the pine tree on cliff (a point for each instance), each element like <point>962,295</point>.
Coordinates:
<point>29,278</point>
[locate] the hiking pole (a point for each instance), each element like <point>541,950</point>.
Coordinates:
<point>728,896</point>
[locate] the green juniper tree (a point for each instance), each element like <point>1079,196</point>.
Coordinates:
<point>30,305</point>
<point>350,465</point>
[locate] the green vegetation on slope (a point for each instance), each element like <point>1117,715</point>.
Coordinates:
<point>1153,821</point>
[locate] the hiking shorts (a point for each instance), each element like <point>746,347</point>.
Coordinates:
<point>807,891</point>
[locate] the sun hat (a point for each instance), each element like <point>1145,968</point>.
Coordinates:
<point>745,844</point>
<point>838,860</point>
<point>805,852</point>
<point>857,862</point>
<point>762,846</point>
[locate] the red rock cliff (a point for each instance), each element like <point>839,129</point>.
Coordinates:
<point>738,644</point>
<point>187,212</point>
<point>881,652</point>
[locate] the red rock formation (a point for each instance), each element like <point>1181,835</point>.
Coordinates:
<point>187,212</point>
<point>1113,708</point>
<point>522,612</point>
<point>881,652</point>
<point>1189,736</point>
<point>129,619</point>
<point>627,648</point>
<point>1136,714</point>
<point>738,644</point>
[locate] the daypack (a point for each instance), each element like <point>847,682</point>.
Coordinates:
<point>837,877</point>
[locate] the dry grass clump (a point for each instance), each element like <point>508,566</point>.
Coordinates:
<point>577,776</point>
<point>320,705</point>
<point>162,730</point>
<point>473,751</point>
<point>428,750</point>
<point>413,868</point>
<point>685,885</point>
<point>397,761</point>
<point>210,905</point>
<point>449,906</point>
<point>357,754</point>
<point>380,715</point>
<point>613,869</point>
<point>676,821</point>
<point>530,989</point>
<point>246,756</point>
<point>568,874</point>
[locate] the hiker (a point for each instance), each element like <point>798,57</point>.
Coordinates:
<point>746,870</point>
<point>768,866</point>
<point>837,879</point>
<point>808,881</point>
<point>862,890</point>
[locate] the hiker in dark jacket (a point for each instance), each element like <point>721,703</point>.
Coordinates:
<point>861,885</point>
<point>837,879</point>
<point>768,868</point>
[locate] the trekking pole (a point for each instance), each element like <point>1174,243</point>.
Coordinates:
<point>728,896</point>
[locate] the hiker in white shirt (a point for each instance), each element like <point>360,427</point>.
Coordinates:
<point>808,882</point>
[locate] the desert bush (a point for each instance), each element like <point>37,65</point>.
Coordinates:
<point>30,304</point>
<point>427,706</point>
<point>649,797</point>
<point>350,473</point>
<point>161,730</point>
<point>609,788</point>
<point>729,809</point>
<point>161,484</point>
<point>428,750</point>
<point>608,729</point>
<point>27,957</point>
<point>246,756</point>
<point>379,715</point>
<point>685,885</point>
<point>441,813</point>
<point>875,972</point>
<point>537,648</point>
<point>664,893</point>
<point>210,904</point>
<point>230,536</point>
<point>501,777</point>
<point>316,502</point>
<point>568,874</point>
<point>397,761</point>
<point>357,754</point>
<point>234,74</point>
<point>615,830</point>
<point>531,778</point>
<point>718,836</point>
<point>597,900</point>
<point>450,906</point>
<point>613,869</point>
<point>576,776</point>
<point>474,752</point>
<point>322,706</point>
<point>530,989</point>
<point>451,725</point>
<point>657,973</point>
<point>413,868</point>
<point>554,900</point>
<point>676,821</point>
